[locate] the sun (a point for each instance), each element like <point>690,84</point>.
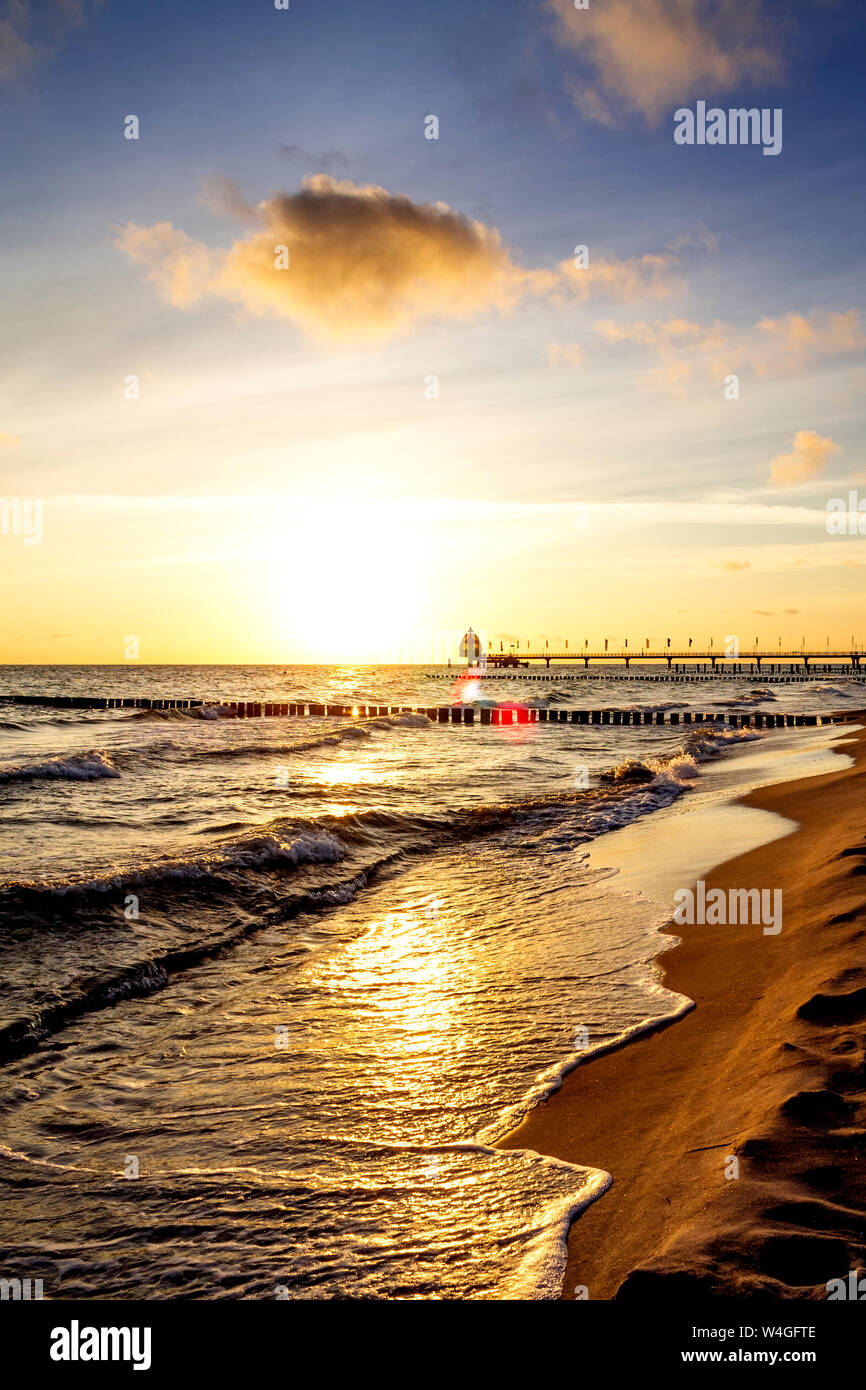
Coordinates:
<point>344,581</point>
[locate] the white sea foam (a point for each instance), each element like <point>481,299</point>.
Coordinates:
<point>76,767</point>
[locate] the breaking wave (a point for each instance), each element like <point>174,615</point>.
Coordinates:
<point>78,767</point>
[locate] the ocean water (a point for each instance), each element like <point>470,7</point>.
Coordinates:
<point>272,988</point>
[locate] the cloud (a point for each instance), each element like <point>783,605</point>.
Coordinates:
<point>16,49</point>
<point>798,337</point>
<point>365,264</point>
<point>8,441</point>
<point>21,21</point>
<point>328,163</point>
<point>734,565</point>
<point>564,354</point>
<point>769,347</point>
<point>223,197</point>
<point>182,269</point>
<point>807,460</point>
<point>651,56</point>
<point>640,277</point>
<point>701,237</point>
<point>715,508</point>
<point>682,346</point>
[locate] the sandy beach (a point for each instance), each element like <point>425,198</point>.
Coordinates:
<point>768,1068</point>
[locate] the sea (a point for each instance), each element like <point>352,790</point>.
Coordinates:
<point>273,988</point>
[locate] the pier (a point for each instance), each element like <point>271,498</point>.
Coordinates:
<point>849,661</point>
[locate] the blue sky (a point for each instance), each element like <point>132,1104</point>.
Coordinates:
<point>549,399</point>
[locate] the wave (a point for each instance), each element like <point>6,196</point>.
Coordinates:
<point>554,696</point>
<point>677,770</point>
<point>653,707</point>
<point>553,1076</point>
<point>835,690</point>
<point>745,701</point>
<point>279,750</point>
<point>333,737</point>
<point>143,977</point>
<point>262,851</point>
<point>206,900</point>
<point>290,842</point>
<point>73,767</point>
<point>191,909</point>
<point>176,716</point>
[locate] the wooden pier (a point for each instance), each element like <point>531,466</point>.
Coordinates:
<point>850,661</point>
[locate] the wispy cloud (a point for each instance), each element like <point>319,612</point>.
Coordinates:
<point>702,238</point>
<point>769,347</point>
<point>330,162</point>
<point>27,31</point>
<point>602,517</point>
<point>638,277</point>
<point>646,58</point>
<point>799,337</point>
<point>565,354</point>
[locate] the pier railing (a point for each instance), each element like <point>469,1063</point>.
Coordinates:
<point>852,660</point>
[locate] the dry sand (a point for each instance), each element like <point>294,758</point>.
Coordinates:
<point>769,1067</point>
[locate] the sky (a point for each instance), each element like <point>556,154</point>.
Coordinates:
<point>396,319</point>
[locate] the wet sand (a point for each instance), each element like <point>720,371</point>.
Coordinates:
<point>768,1068</point>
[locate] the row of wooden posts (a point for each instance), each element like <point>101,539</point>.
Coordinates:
<point>641,676</point>
<point>447,714</point>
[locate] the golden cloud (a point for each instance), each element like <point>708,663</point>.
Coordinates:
<point>182,269</point>
<point>357,263</point>
<point>652,56</point>
<point>771,346</point>
<point>8,441</point>
<point>799,337</point>
<point>807,459</point>
<point>640,277</point>
<point>343,261</point>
